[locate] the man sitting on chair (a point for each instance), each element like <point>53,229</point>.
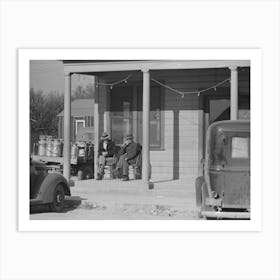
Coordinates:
<point>128,155</point>
<point>106,152</point>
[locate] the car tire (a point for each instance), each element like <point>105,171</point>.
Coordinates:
<point>57,204</point>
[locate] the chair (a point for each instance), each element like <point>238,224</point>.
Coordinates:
<point>136,168</point>
<point>110,166</point>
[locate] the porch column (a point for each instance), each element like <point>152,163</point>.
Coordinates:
<point>96,126</point>
<point>146,127</point>
<point>67,127</point>
<point>233,93</point>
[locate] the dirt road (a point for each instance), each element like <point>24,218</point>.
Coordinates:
<point>101,200</point>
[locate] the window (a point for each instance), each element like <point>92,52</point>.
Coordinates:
<point>217,103</point>
<point>126,114</point>
<point>156,116</point>
<point>240,147</point>
<point>121,107</point>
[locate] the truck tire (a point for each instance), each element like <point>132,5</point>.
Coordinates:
<point>80,175</point>
<point>198,193</point>
<point>204,207</point>
<point>57,204</point>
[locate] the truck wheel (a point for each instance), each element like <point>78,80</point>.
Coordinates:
<point>80,175</point>
<point>88,172</point>
<point>57,204</point>
<point>198,193</point>
<point>205,194</point>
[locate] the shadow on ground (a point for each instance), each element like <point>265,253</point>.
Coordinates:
<point>71,203</point>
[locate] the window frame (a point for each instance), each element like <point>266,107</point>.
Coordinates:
<point>162,116</point>
<point>139,113</point>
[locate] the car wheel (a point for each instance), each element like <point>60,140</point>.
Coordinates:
<point>57,204</point>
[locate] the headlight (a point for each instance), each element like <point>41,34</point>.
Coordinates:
<point>215,194</point>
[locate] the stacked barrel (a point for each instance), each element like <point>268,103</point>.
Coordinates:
<point>53,147</point>
<point>48,146</point>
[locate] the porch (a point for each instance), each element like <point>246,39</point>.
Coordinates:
<point>182,117</point>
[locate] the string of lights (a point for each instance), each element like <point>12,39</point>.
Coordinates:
<point>198,92</point>
<point>111,85</point>
<point>182,93</point>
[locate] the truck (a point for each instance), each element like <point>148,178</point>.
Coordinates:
<point>50,151</point>
<point>223,192</point>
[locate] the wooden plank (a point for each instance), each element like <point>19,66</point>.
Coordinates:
<point>82,67</point>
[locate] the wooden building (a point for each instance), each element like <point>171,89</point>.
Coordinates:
<point>167,105</point>
<point>82,120</point>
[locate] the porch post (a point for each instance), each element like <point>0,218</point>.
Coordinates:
<point>67,127</point>
<point>96,126</point>
<point>146,127</point>
<point>233,93</point>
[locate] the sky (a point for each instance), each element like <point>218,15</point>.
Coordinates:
<point>47,75</point>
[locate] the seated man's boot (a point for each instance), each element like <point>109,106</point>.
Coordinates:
<point>125,178</point>
<point>99,176</point>
<point>117,173</point>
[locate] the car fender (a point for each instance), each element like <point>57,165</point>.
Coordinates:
<point>48,185</point>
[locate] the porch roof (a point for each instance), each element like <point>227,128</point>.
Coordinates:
<point>87,66</point>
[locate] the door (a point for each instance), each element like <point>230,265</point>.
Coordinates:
<point>79,125</point>
<point>236,172</point>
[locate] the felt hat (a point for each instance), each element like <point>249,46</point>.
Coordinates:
<point>129,137</point>
<point>105,136</point>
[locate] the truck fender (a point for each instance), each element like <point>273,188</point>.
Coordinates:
<point>198,190</point>
<point>48,185</point>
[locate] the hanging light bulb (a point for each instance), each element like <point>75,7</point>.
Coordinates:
<point>198,93</point>
<point>215,88</point>
<point>183,95</point>
<point>111,87</point>
<point>125,81</point>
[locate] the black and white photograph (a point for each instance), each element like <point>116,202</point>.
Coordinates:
<point>162,139</point>
<point>139,139</point>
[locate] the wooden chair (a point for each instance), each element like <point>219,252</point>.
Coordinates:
<point>136,168</point>
<point>111,165</point>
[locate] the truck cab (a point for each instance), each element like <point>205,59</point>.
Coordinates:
<point>224,189</point>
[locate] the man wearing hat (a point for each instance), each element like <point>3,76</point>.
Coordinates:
<point>128,155</point>
<point>106,151</point>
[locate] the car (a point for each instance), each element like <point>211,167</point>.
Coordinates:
<point>223,192</point>
<point>47,188</point>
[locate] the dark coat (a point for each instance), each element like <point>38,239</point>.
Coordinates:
<point>131,150</point>
<point>111,148</point>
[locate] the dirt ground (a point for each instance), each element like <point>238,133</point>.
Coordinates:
<point>117,200</point>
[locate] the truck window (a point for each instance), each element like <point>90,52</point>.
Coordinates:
<point>240,147</point>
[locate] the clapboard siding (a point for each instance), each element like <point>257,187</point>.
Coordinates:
<point>183,119</point>
<point>180,156</point>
